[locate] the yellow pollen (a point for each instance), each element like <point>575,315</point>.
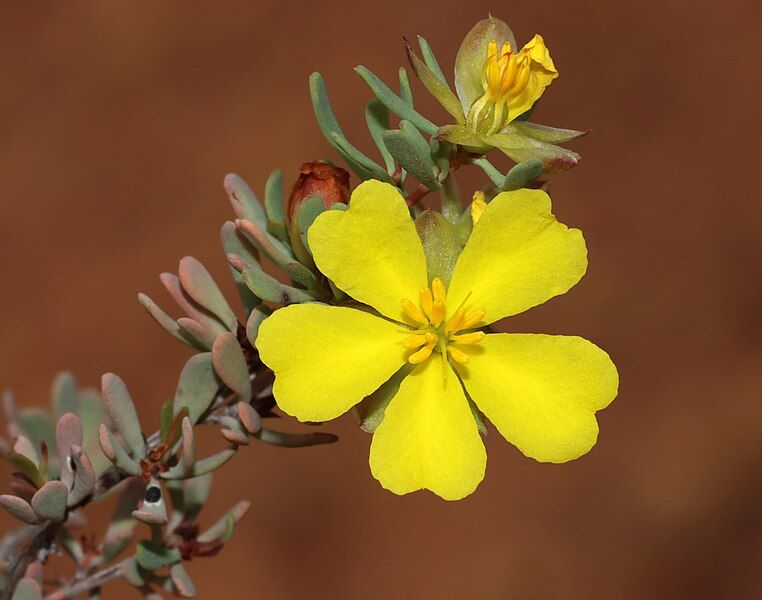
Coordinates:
<point>505,75</point>
<point>436,333</point>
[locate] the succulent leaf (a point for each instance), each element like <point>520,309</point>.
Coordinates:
<point>50,501</point>
<point>202,288</point>
<point>197,386</point>
<point>121,410</point>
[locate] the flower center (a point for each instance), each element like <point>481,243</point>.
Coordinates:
<point>504,76</point>
<point>433,332</point>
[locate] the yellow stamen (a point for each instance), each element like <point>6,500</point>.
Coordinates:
<point>454,322</point>
<point>426,300</point>
<point>414,341</point>
<point>458,355</point>
<point>432,334</point>
<point>522,79</point>
<point>413,312</point>
<point>438,288</point>
<point>471,318</point>
<point>468,338</point>
<point>437,312</point>
<point>418,357</point>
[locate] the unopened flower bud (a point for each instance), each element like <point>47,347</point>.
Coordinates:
<point>318,178</point>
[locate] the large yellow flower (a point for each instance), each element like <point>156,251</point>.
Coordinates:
<point>540,391</point>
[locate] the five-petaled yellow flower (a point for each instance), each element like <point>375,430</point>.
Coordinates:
<point>540,391</point>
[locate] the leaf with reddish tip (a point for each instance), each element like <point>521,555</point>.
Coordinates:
<point>26,467</point>
<point>68,433</point>
<point>197,387</point>
<point>202,288</point>
<point>187,453</point>
<point>121,409</point>
<point>520,148</point>
<point>234,243</point>
<point>19,509</point>
<point>257,316</point>
<point>115,453</point>
<point>244,202</point>
<point>175,429</point>
<point>191,307</point>
<point>544,133</point>
<point>204,336</point>
<point>64,393</point>
<point>249,417</point>
<point>230,364</point>
<point>283,258</point>
<point>50,501</point>
<point>222,529</point>
<point>24,447</point>
<point>166,322</point>
<point>294,440</point>
<point>204,466</point>
<point>84,476</point>
<point>182,581</point>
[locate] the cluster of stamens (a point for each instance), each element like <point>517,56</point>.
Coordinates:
<point>435,333</point>
<point>504,76</point>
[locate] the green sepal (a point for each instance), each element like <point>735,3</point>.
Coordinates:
<point>440,244</point>
<point>544,133</point>
<point>520,148</point>
<point>370,411</point>
<point>523,174</point>
<point>436,86</point>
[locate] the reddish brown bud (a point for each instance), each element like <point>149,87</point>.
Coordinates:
<point>327,181</point>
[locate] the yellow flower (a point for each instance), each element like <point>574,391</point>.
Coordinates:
<point>540,391</point>
<point>511,83</point>
<point>497,87</point>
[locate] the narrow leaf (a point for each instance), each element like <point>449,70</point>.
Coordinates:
<point>121,410</point>
<point>202,288</point>
<point>411,150</point>
<point>394,103</point>
<point>197,386</point>
<point>435,84</point>
<point>230,364</point>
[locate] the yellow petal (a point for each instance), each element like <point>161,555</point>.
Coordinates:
<point>541,391</point>
<point>428,438</point>
<point>371,251</point>
<point>518,256</point>
<point>542,72</point>
<point>327,358</point>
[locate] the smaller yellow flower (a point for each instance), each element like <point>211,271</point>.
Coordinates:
<point>512,82</point>
<point>540,391</point>
<point>497,87</point>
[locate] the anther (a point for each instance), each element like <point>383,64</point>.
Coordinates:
<point>414,341</point>
<point>468,338</point>
<point>437,312</point>
<point>471,318</point>
<point>421,355</point>
<point>458,355</point>
<point>413,312</point>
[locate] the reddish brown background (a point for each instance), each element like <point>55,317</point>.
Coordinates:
<point>117,124</point>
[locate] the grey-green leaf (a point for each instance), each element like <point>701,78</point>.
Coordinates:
<point>200,285</point>
<point>49,502</point>
<point>394,103</point>
<point>412,151</point>
<point>197,386</point>
<point>121,410</point>
<point>230,364</point>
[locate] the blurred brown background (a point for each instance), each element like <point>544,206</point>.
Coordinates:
<point>117,123</point>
